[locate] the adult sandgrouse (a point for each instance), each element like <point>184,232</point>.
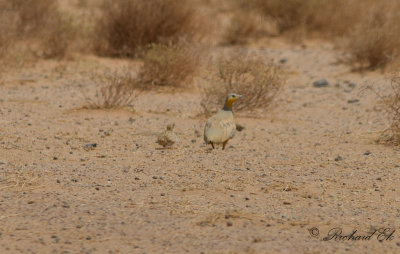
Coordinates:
<point>221,127</point>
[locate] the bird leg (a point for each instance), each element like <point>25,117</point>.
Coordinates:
<point>212,145</point>
<point>224,144</point>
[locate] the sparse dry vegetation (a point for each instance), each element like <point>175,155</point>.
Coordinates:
<point>128,25</point>
<point>376,41</point>
<point>257,81</point>
<point>5,40</point>
<point>242,27</point>
<point>328,17</point>
<point>7,28</point>
<point>115,91</point>
<point>173,65</point>
<point>287,14</point>
<point>372,39</point>
<point>58,37</point>
<point>38,25</point>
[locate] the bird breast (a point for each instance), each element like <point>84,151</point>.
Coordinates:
<point>220,127</point>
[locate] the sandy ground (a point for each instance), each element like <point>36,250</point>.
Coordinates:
<point>309,162</point>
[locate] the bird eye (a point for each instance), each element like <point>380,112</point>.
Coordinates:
<point>233,96</point>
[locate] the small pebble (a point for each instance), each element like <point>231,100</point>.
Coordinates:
<point>321,83</point>
<point>353,101</point>
<point>283,60</point>
<point>90,146</point>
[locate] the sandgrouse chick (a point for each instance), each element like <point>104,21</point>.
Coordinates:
<point>221,127</point>
<point>167,138</point>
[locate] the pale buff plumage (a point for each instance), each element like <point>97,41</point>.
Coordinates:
<point>220,128</point>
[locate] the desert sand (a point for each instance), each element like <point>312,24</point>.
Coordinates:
<point>310,161</point>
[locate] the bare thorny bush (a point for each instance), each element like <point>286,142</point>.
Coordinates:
<point>286,14</point>
<point>242,27</point>
<point>376,41</point>
<point>258,82</point>
<point>126,26</point>
<point>329,17</point>
<point>115,90</point>
<point>164,66</point>
<point>38,24</point>
<point>173,65</point>
<point>371,40</point>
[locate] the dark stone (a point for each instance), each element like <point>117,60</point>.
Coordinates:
<point>90,146</point>
<point>353,101</point>
<point>321,83</point>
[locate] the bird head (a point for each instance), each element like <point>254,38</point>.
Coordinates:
<point>230,99</point>
<point>170,126</point>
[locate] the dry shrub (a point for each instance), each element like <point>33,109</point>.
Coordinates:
<point>332,17</point>
<point>7,27</point>
<point>287,14</point>
<point>127,25</point>
<point>38,24</point>
<point>293,14</point>
<point>58,37</point>
<point>173,65</point>
<point>242,26</point>
<point>5,41</point>
<point>376,41</point>
<point>372,39</point>
<point>252,77</point>
<point>33,15</point>
<point>116,91</point>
